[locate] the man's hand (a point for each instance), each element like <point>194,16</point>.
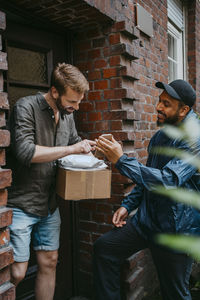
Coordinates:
<point>111,149</point>
<point>120,216</point>
<point>83,147</point>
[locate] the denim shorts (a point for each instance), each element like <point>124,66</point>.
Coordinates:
<point>44,232</point>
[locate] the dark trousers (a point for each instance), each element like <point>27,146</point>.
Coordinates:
<point>110,251</point>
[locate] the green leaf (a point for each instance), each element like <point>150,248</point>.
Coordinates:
<point>191,159</point>
<point>187,244</point>
<point>174,132</point>
<point>186,196</point>
<point>189,131</point>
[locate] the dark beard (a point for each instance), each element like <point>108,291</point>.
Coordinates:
<point>61,109</point>
<point>170,120</point>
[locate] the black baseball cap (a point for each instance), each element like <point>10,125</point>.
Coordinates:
<point>180,90</point>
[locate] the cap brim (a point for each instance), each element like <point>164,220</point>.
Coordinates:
<point>168,89</point>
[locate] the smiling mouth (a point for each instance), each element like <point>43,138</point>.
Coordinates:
<point>161,116</point>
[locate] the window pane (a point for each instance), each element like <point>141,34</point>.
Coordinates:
<point>27,66</point>
<point>172,47</point>
<point>16,93</point>
<point>172,70</point>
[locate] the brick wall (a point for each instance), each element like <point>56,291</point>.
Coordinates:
<point>194,47</point>
<point>7,290</point>
<point>122,66</point>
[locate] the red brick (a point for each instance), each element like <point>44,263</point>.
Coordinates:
<point>3,61</point>
<point>115,94</point>
<point>116,199</point>
<point>100,218</point>
<point>94,54</point>
<point>6,257</point>
<point>99,42</point>
<point>115,60</point>
<point>87,248</point>
<point>89,226</point>
<point>149,108</point>
<point>2,119</point>
<point>91,85</point>
<point>116,125</point>
<point>95,116</point>
<point>94,75</point>
<point>102,126</point>
<point>3,197</point>
<point>85,236</point>
<point>5,178</point>
<point>2,157</point>
<point>85,106</point>
<point>115,83</point>
<point>104,208</point>
<point>88,205</point>
<point>94,95</point>
<point>85,65</point>
<point>101,105</point>
<point>116,104</point>
<point>101,85</point>
<point>7,291</point>
<point>82,116</point>
<point>4,275</point>
<point>5,216</point>
<point>4,138</point>
<point>4,101</point>
<point>114,115</point>
<point>119,26</point>
<point>107,73</point>
<point>86,127</point>
<point>114,38</point>
<point>100,63</point>
<point>4,237</point>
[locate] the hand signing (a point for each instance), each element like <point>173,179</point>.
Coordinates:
<point>84,147</point>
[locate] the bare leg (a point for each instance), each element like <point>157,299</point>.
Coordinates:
<point>18,271</point>
<point>46,276</point>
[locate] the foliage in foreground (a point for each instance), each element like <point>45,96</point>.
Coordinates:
<point>190,133</point>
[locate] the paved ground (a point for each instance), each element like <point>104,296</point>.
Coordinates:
<point>195,292</point>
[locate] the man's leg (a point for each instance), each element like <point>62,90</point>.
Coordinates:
<point>46,275</point>
<point>46,243</point>
<point>174,272</point>
<point>18,272</point>
<point>20,236</point>
<point>110,250</point>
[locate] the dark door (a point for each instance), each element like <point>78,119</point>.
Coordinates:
<point>32,53</point>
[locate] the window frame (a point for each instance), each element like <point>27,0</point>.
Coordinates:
<point>180,35</point>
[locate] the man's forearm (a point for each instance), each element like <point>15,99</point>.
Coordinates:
<point>46,154</point>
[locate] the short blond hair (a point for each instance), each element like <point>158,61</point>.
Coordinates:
<point>65,75</point>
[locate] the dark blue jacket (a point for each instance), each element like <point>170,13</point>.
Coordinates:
<point>157,213</point>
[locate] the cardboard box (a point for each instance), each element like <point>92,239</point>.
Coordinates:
<point>77,185</point>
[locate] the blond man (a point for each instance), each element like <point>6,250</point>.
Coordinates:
<point>42,131</point>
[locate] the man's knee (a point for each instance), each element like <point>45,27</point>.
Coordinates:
<point>18,272</point>
<point>47,260</point>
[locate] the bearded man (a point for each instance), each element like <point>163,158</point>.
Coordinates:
<point>155,214</point>
<point>42,131</point>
